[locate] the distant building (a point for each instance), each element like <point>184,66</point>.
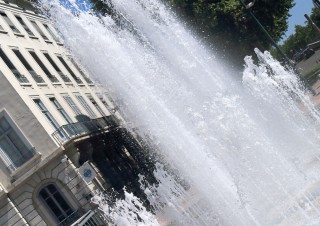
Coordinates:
<point>53,119</point>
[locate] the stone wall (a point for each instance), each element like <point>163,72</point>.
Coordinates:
<point>69,182</point>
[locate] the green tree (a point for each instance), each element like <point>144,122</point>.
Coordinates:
<point>227,25</point>
<point>230,20</point>
<point>303,35</point>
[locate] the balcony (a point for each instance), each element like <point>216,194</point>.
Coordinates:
<point>70,131</point>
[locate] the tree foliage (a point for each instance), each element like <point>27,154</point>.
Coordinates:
<point>303,35</point>
<point>230,20</point>
<point>226,23</point>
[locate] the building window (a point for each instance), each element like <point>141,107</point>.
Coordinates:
<point>72,105</point>
<point>55,202</point>
<point>86,106</point>
<point>43,67</point>
<point>78,80</point>
<point>46,113</point>
<point>60,109</point>
<point>64,77</point>
<point>1,29</point>
<point>36,26</point>
<point>9,22</point>
<point>13,151</point>
<point>86,78</point>
<point>53,35</point>
<point>23,24</point>
<point>10,65</point>
<point>92,100</point>
<point>36,77</point>
<point>108,106</point>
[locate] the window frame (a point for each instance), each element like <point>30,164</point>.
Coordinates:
<point>42,66</point>
<point>85,105</point>
<point>23,138</point>
<point>27,65</point>
<point>76,110</point>
<point>8,62</point>
<point>69,69</point>
<point>24,25</point>
<point>51,32</point>
<point>9,22</point>
<point>46,113</point>
<point>40,32</point>
<point>106,103</point>
<point>64,77</point>
<point>95,104</point>
<point>80,70</point>
<point>48,209</point>
<point>60,109</point>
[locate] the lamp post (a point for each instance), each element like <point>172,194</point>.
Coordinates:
<point>287,60</point>
<point>312,23</point>
<point>248,8</point>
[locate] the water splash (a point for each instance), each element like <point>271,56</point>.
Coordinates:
<point>124,212</point>
<point>249,150</point>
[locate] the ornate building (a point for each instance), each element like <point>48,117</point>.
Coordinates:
<point>60,140</point>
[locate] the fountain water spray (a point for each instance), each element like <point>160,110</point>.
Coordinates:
<point>250,150</point>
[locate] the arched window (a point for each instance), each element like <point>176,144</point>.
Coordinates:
<point>56,202</point>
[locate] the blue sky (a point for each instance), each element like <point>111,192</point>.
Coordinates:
<point>297,14</point>
<point>82,4</point>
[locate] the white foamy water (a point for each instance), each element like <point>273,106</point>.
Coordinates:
<point>250,150</point>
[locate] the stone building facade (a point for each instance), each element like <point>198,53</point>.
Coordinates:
<point>53,119</point>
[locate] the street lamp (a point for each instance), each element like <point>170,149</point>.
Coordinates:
<point>312,22</point>
<point>287,60</point>
<point>248,8</point>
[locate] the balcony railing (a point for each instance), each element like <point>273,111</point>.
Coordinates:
<point>73,130</point>
<point>21,78</point>
<point>53,78</point>
<point>81,218</point>
<point>91,218</point>
<point>65,78</point>
<point>87,79</point>
<point>78,80</point>
<point>36,77</point>
<point>72,218</point>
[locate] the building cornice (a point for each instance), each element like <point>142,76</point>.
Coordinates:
<point>19,10</point>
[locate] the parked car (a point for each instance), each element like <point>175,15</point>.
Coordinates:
<point>298,56</point>
<point>307,53</point>
<point>303,54</point>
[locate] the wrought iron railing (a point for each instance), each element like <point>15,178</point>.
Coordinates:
<point>72,218</point>
<point>36,77</point>
<point>21,78</point>
<point>53,78</point>
<point>87,79</point>
<point>73,130</point>
<point>64,77</point>
<point>78,80</point>
<point>91,218</point>
<point>81,218</point>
